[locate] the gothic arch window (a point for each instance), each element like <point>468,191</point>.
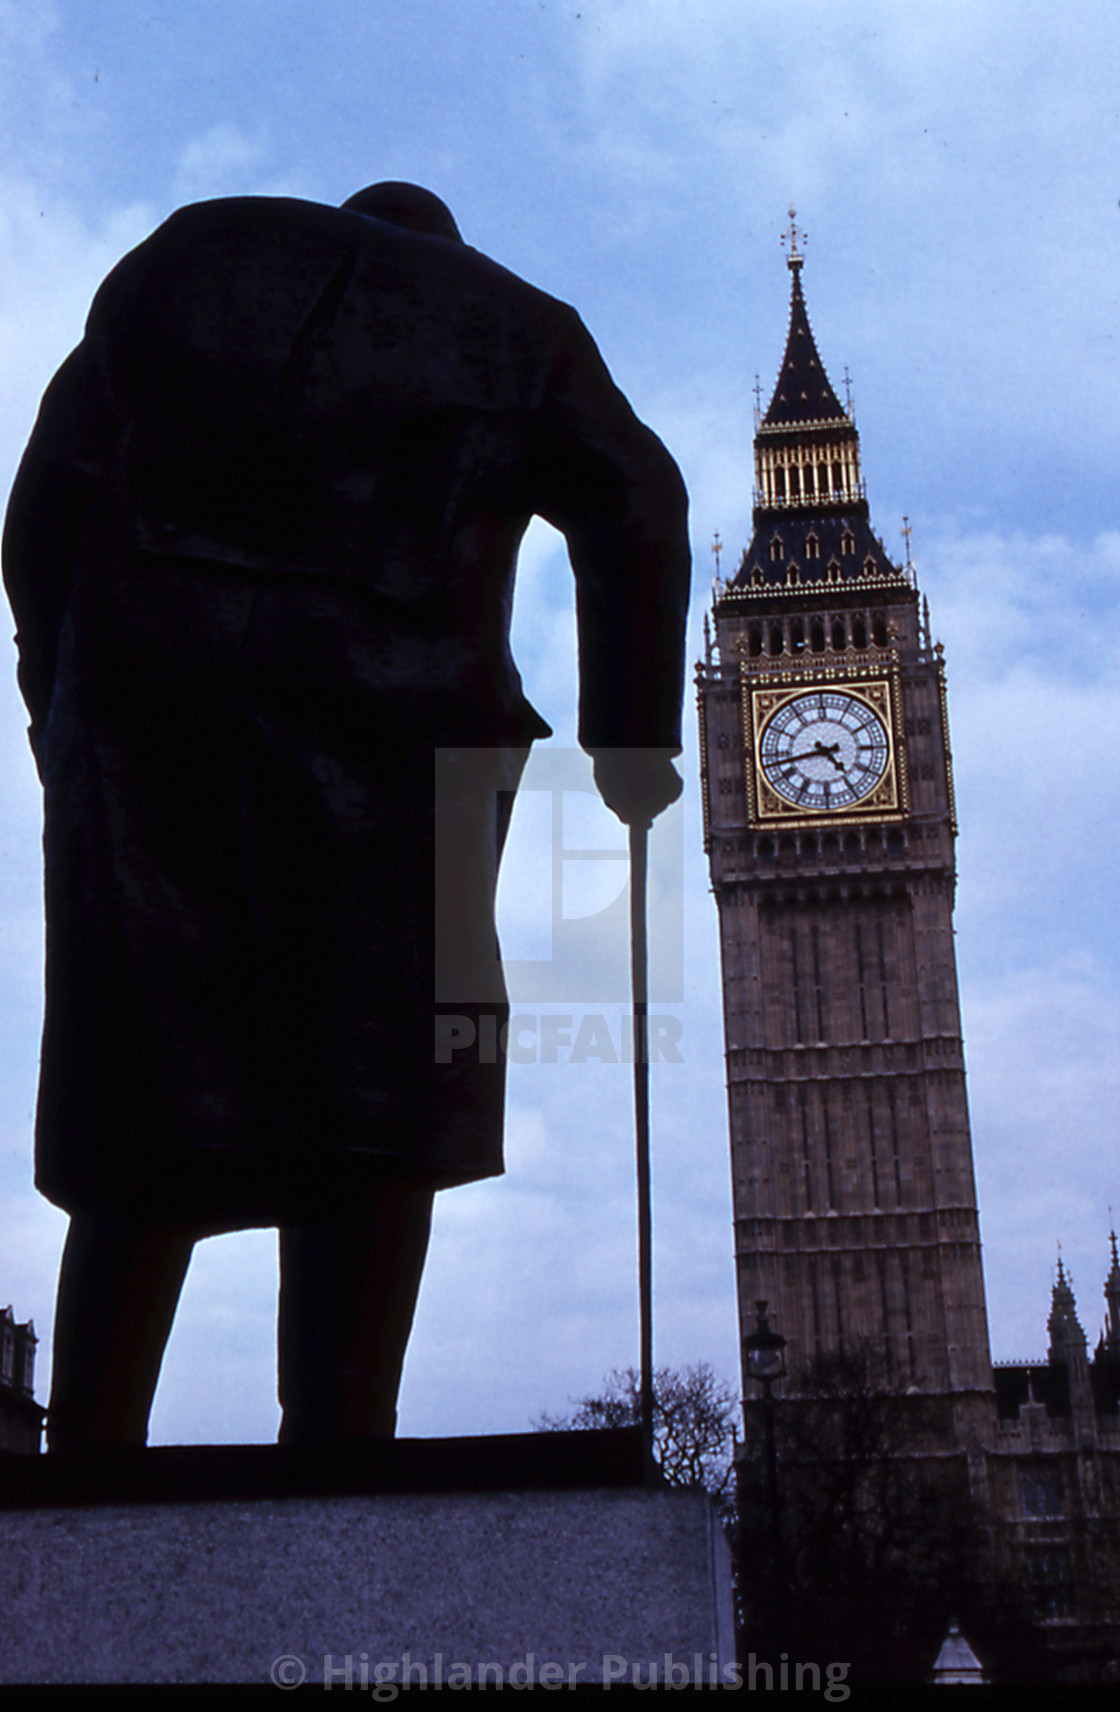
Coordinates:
<point>859,633</point>
<point>884,1309</point>
<point>806,1146</point>
<point>776,639</point>
<point>816,636</point>
<point>818,979</point>
<point>861,980</point>
<point>879,630</point>
<point>869,566</point>
<point>847,543</point>
<point>1041,1490</point>
<point>779,483</point>
<point>884,995</point>
<point>754,641</point>
<point>907,1310</point>
<point>812,547</point>
<point>796,636</point>
<point>830,1176</point>
<point>837,478</point>
<point>777,551</point>
<point>795,968</point>
<point>794,482</point>
<point>839,635</point>
<point>838,1298</point>
<point>822,479</point>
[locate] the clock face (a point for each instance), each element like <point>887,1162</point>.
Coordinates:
<point>824,750</point>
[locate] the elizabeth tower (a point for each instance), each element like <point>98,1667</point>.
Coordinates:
<point>830,828</point>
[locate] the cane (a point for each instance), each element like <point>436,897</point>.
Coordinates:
<point>639,980</point>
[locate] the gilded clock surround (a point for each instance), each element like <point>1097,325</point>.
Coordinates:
<point>763,698</point>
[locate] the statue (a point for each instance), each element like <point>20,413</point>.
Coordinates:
<point>260,552</point>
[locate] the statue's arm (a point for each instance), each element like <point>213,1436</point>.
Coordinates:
<point>610,485</point>
<point>49,511</point>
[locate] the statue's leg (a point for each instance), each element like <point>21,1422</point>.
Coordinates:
<point>118,1290</point>
<point>347,1297</point>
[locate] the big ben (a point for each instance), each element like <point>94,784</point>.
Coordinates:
<point>829,820</point>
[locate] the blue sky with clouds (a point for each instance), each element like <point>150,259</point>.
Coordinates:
<point>955,165</point>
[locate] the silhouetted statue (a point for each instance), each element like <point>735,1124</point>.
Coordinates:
<point>261,552</point>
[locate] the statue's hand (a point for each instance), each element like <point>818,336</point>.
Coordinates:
<point>637,783</point>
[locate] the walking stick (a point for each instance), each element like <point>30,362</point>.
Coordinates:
<point>639,979</point>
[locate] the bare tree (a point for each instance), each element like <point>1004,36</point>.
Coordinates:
<point>695,1413</point>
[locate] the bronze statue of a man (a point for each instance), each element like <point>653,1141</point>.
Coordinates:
<point>261,552</point>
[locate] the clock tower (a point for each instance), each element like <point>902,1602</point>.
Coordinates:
<point>829,821</point>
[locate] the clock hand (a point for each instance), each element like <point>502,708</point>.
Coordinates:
<point>828,750</point>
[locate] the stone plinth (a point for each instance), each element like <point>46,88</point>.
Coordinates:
<point>542,1558</point>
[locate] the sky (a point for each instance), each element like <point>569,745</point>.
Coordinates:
<point>954,164</point>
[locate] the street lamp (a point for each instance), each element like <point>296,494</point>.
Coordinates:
<point>766,1362</point>
<point>766,1350</point>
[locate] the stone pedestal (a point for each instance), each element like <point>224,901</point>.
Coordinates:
<point>551,1559</point>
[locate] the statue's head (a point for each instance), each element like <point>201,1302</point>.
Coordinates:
<point>408,205</point>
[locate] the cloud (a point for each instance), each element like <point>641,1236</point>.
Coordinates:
<point>221,162</point>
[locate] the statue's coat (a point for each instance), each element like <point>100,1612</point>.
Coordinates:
<point>261,551</point>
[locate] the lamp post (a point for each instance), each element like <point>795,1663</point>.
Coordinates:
<point>766,1362</point>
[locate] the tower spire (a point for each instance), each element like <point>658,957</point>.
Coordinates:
<point>803,394</point>
<point>1110,1338</point>
<point>810,506</point>
<point>1067,1338</point>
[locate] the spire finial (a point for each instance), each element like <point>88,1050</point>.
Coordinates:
<point>794,259</point>
<point>717,551</point>
<point>907,533</point>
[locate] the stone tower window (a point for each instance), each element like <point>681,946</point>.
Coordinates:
<point>847,542</point>
<point>776,549</point>
<point>812,547</point>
